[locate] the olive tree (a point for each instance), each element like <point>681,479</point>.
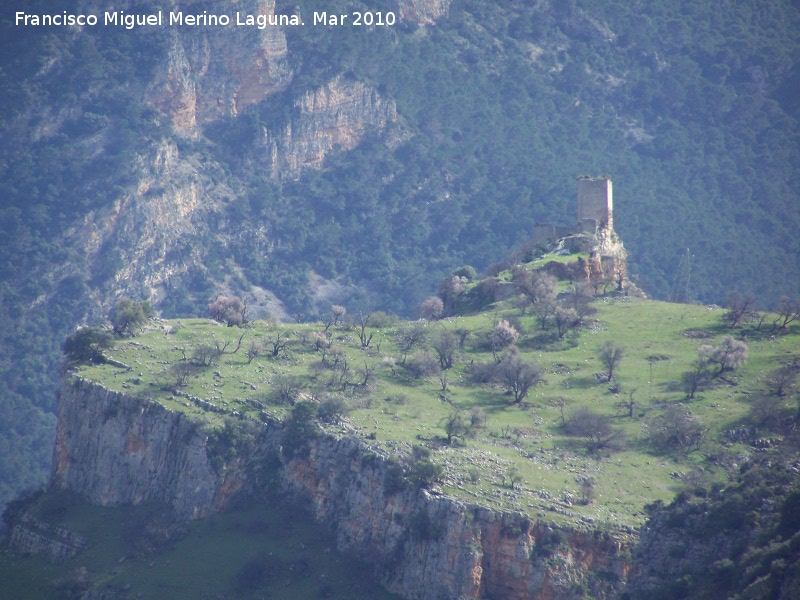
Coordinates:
<point>128,314</point>
<point>455,425</point>
<point>676,429</point>
<point>87,345</point>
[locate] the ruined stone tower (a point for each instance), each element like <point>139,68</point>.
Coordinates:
<point>595,204</point>
<point>595,213</point>
<point>593,233</point>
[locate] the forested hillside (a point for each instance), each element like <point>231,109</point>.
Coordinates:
<point>464,129</point>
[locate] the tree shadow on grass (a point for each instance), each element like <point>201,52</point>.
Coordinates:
<point>583,382</point>
<point>546,341</point>
<point>491,401</point>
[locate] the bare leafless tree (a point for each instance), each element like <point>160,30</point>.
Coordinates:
<point>566,319</point>
<point>630,405</point>
<point>788,310</point>
<point>463,334</point>
<point>364,323</point>
<point>367,373</point>
<point>254,351</point>
<point>223,348</point>
<point>578,296</point>
<point>544,312</point>
<point>740,309</point>
<point>518,376</point>
<point>610,355</point>
<point>445,344</point>
<point>279,344</point>
<point>783,380</point>
<point>536,286</point>
<point>338,313</point>
<point>410,337</point>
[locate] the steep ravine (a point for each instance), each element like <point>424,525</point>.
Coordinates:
<point>117,449</point>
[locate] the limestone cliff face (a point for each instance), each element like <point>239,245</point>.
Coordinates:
<point>164,222</point>
<point>335,116</point>
<point>116,449</point>
<point>424,12</point>
<point>665,554</point>
<point>32,536</point>
<point>147,237</point>
<point>429,546</point>
<point>217,71</point>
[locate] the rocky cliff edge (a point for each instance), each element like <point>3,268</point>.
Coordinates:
<point>117,449</point>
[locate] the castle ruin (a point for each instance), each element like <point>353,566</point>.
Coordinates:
<point>595,204</point>
<point>595,212</point>
<point>593,233</point>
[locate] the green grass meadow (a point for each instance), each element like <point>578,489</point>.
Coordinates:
<point>396,410</point>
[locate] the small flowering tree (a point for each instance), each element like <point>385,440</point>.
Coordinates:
<point>503,335</point>
<point>431,308</point>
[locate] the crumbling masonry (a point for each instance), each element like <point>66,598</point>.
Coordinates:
<point>593,233</point>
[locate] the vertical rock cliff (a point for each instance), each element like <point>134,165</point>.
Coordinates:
<point>424,11</point>
<point>336,116</point>
<point>174,209</point>
<point>216,72</point>
<point>116,449</point>
<point>429,546</point>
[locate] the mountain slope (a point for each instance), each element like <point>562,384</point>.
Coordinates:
<point>175,163</point>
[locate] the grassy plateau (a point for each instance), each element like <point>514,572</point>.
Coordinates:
<point>507,455</point>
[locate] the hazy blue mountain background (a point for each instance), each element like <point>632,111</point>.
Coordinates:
<point>691,107</point>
